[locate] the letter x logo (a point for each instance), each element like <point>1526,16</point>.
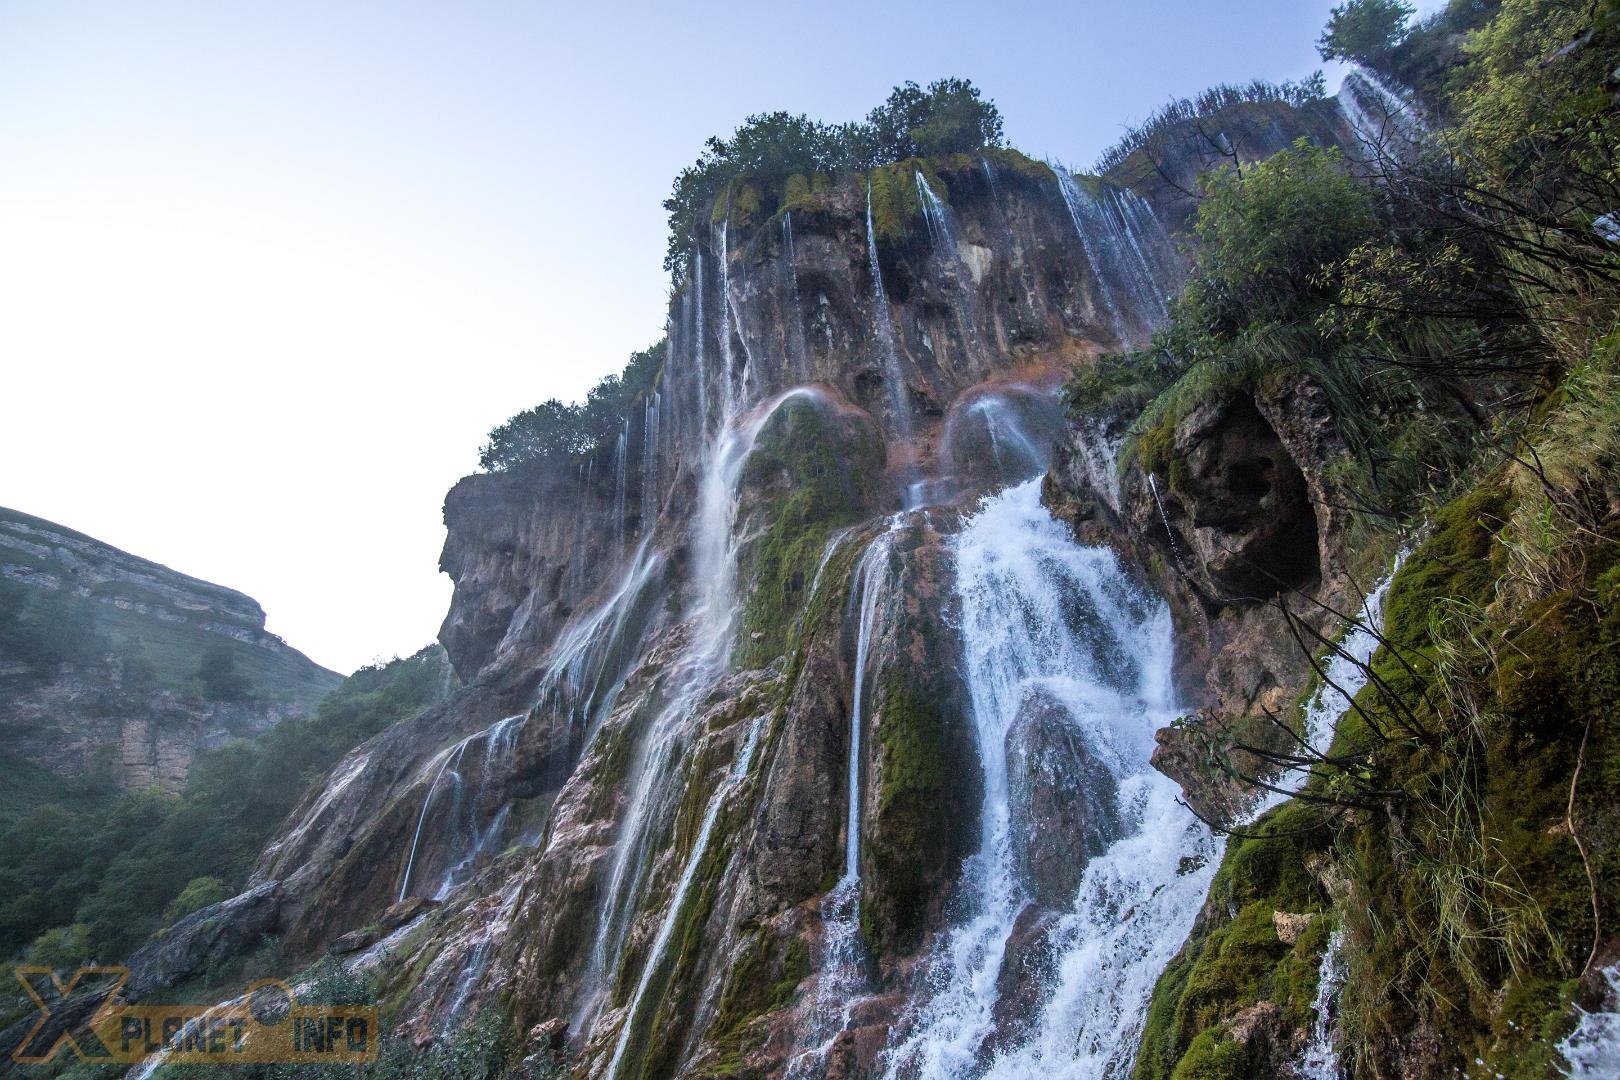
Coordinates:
<point>66,1013</point>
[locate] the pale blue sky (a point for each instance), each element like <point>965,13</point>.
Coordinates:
<point>269,272</point>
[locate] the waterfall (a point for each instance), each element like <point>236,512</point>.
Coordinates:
<point>704,658</point>
<point>1320,1060</point>
<point>1008,437</point>
<point>700,847</point>
<point>701,332</point>
<point>1169,533</point>
<point>473,840</point>
<point>989,175</point>
<point>840,978</point>
<point>1346,675</point>
<point>1046,620</point>
<point>1593,1048</point>
<point>798,351</point>
<point>939,225</point>
<point>1075,202</point>
<point>649,461</point>
<point>427,800</point>
<point>943,235</point>
<point>1126,245</point>
<point>621,486</point>
<point>596,650</point>
<point>1383,121</point>
<point>883,329</point>
<point>874,561</point>
<point>727,394</point>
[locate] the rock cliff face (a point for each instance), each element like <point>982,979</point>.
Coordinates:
<point>117,669</point>
<point>1240,524</point>
<point>750,773</point>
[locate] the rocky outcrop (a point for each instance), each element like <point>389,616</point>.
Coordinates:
<point>1063,800</point>
<point>203,939</point>
<point>632,813</point>
<point>1234,511</point>
<point>120,669</point>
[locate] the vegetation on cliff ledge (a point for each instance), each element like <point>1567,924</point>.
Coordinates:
<point>1457,301</point>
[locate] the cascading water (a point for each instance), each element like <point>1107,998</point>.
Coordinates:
<point>840,974</point>
<point>1383,121</point>
<point>704,658</point>
<point>1046,619</point>
<point>939,224</point>
<point>798,351</point>
<point>596,651</point>
<point>621,485</point>
<point>1593,1048</point>
<point>700,333</point>
<point>649,461</point>
<point>470,837</point>
<point>1320,1061</point>
<point>1075,203</point>
<point>1125,244</point>
<point>660,944</point>
<point>727,393</point>
<point>883,330</point>
<point>1016,454</point>
<point>1346,671</point>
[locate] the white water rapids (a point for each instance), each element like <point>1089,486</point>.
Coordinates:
<point>1044,616</point>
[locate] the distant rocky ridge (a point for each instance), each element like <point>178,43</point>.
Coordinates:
<point>117,699</point>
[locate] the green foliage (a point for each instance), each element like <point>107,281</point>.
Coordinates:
<point>814,477</point>
<point>770,156</point>
<point>553,432</point>
<point>1266,236</point>
<point>40,630</point>
<point>63,948</point>
<point>121,863</point>
<point>1364,31</point>
<point>198,894</point>
<point>219,676</point>
<point>1234,958</point>
<point>1183,111</point>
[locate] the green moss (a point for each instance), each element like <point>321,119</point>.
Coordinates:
<point>764,979</point>
<point>1232,962</point>
<point>1022,164</point>
<point>896,205</point>
<point>813,476</point>
<point>1212,1056</point>
<point>913,786</point>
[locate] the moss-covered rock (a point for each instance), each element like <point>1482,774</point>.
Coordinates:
<point>813,471</point>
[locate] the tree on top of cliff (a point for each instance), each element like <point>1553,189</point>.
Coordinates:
<point>1364,31</point>
<point>553,431</point>
<point>773,155</point>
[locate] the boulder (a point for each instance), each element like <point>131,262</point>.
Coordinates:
<point>205,939</point>
<point>1062,801</point>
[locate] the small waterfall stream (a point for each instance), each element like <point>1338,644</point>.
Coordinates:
<point>655,955</point>
<point>1593,1048</point>
<point>700,333</point>
<point>939,224</point>
<point>1046,619</point>
<point>840,974</point>
<point>471,838</point>
<point>653,771</point>
<point>798,351</point>
<point>883,330</point>
<point>1075,202</point>
<point>1383,121</point>
<point>1320,1061</point>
